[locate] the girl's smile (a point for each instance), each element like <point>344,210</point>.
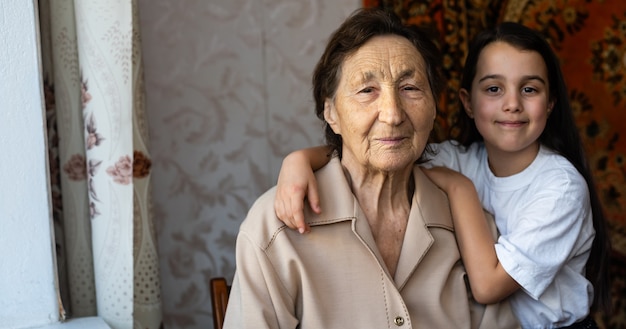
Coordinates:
<point>510,103</point>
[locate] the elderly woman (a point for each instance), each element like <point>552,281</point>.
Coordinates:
<point>383,253</point>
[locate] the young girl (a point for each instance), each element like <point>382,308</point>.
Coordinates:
<point>516,140</point>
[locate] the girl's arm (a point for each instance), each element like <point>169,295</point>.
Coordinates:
<point>489,282</point>
<point>295,182</point>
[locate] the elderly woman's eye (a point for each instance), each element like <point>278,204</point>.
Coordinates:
<point>366,90</point>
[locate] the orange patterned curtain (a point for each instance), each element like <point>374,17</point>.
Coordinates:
<point>589,36</point>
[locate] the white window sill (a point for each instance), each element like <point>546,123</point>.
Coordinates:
<point>79,323</point>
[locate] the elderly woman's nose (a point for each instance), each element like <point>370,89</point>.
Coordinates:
<point>390,110</point>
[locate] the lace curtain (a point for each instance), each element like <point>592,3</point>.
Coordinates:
<point>100,164</point>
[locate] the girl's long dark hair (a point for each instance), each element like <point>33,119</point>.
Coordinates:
<point>560,135</point>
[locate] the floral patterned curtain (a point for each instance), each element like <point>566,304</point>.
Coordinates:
<point>99,160</point>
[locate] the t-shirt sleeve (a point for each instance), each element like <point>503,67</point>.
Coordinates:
<point>447,154</point>
<point>543,232</point>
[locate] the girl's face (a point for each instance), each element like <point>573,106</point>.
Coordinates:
<point>510,99</point>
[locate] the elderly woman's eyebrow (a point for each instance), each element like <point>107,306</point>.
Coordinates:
<point>368,76</point>
<point>407,73</point>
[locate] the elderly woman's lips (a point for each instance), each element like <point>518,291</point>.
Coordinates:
<point>391,140</point>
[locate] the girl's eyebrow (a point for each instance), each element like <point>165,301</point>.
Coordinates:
<point>524,78</point>
<point>535,77</point>
<point>491,76</point>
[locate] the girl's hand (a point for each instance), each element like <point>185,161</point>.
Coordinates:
<point>447,179</point>
<point>295,182</point>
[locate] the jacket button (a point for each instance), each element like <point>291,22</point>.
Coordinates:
<point>398,321</point>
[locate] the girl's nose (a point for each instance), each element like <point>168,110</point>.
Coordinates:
<point>512,103</point>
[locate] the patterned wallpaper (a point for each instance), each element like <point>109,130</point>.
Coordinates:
<point>227,95</point>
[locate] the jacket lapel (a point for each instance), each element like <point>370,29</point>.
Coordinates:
<point>430,207</point>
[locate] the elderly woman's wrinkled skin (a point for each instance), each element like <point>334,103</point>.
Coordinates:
<point>384,111</point>
<point>383,108</point>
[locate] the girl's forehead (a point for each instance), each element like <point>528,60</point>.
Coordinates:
<point>504,59</point>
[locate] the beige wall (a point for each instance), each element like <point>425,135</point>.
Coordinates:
<point>228,95</point>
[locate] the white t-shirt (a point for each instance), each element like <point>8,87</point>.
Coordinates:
<point>544,218</point>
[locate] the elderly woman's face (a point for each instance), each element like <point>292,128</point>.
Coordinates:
<point>384,109</point>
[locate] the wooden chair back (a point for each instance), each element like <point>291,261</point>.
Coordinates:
<point>219,300</point>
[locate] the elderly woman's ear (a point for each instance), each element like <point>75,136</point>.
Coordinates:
<point>330,115</point>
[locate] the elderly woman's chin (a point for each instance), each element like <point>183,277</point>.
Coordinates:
<point>399,163</point>
<point>395,159</point>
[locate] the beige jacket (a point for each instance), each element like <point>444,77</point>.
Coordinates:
<point>334,277</point>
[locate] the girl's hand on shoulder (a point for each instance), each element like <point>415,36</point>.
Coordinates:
<point>295,182</point>
<point>447,179</point>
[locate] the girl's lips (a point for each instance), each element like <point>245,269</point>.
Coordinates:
<point>511,123</point>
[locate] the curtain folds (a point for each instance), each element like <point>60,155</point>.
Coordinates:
<point>99,160</point>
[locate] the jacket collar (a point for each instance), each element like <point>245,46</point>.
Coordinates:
<point>429,208</point>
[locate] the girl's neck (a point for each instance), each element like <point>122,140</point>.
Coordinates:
<point>504,164</point>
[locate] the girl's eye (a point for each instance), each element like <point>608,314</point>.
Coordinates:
<point>493,89</point>
<point>528,90</point>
